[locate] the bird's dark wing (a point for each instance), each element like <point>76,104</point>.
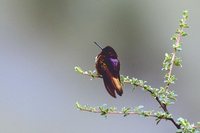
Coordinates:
<point>111,77</point>
<point>107,79</point>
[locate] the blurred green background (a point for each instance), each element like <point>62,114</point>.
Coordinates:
<point>42,40</point>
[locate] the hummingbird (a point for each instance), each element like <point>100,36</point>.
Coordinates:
<point>108,66</point>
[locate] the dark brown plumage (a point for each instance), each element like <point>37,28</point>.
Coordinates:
<point>108,65</point>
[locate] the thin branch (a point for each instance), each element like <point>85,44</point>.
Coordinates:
<point>115,112</point>
<point>174,54</point>
<point>125,111</point>
<point>178,38</point>
<point>196,127</point>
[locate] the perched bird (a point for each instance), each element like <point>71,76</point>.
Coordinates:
<point>108,65</point>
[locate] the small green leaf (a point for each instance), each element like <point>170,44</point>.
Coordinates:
<point>185,14</point>
<point>78,105</point>
<point>184,34</point>
<point>185,26</point>
<point>174,37</point>
<point>177,47</point>
<point>177,62</point>
<point>104,111</point>
<point>78,69</point>
<point>126,111</point>
<point>170,79</point>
